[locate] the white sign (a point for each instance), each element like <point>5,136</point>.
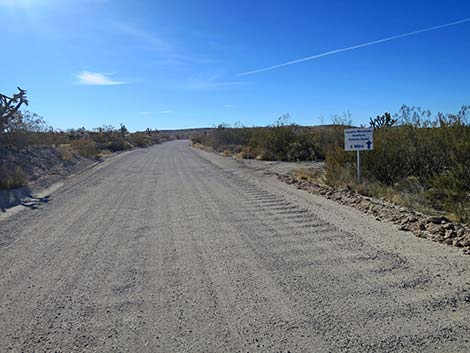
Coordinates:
<point>358,139</point>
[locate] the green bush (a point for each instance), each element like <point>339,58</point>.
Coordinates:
<point>118,144</point>
<point>450,190</point>
<point>281,141</point>
<point>433,152</point>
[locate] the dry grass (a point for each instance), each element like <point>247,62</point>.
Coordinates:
<point>311,175</point>
<point>85,147</point>
<point>12,178</point>
<point>65,151</point>
<point>408,193</point>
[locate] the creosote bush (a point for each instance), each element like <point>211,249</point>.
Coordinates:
<point>11,178</point>
<point>432,151</point>
<point>280,141</point>
<point>418,160</point>
<point>85,147</point>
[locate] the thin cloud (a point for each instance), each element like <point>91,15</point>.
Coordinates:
<point>97,79</point>
<point>354,47</point>
<point>167,52</point>
<point>209,83</point>
<point>165,111</point>
<point>149,38</point>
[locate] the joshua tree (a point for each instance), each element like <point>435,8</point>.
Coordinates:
<point>382,121</point>
<point>9,106</point>
<point>123,130</point>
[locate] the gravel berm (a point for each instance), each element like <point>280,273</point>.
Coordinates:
<point>174,249</point>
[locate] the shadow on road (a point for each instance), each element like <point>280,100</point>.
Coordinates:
<point>20,196</point>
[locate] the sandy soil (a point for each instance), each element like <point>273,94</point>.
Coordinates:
<point>173,249</point>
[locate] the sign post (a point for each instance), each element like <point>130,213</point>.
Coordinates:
<point>358,163</point>
<point>358,140</point>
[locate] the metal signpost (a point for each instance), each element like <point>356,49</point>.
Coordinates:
<point>358,140</point>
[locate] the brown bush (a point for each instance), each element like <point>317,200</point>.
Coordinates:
<point>85,147</point>
<point>12,177</point>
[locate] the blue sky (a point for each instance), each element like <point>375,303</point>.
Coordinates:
<point>175,64</point>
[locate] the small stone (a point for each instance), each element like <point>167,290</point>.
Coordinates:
<point>448,226</point>
<point>421,235</point>
<point>450,234</point>
<point>466,240</point>
<point>405,227</point>
<point>434,228</point>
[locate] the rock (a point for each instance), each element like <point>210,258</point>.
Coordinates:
<point>450,234</point>
<point>466,240</point>
<point>422,226</point>
<point>438,219</point>
<point>448,226</point>
<point>405,227</point>
<point>423,235</point>
<point>434,228</point>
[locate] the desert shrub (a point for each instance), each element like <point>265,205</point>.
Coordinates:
<point>279,141</point>
<point>450,190</point>
<point>391,160</point>
<point>12,177</point>
<point>66,152</point>
<point>118,144</point>
<point>26,129</point>
<point>312,174</point>
<point>424,156</point>
<point>142,140</point>
<point>340,167</point>
<point>85,147</point>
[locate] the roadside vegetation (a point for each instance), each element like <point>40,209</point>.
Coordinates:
<point>283,140</point>
<point>419,160</point>
<point>20,130</point>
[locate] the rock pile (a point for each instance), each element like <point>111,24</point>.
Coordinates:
<point>436,228</point>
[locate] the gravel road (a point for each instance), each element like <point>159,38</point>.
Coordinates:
<point>173,249</point>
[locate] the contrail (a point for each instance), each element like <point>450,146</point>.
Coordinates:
<point>355,47</point>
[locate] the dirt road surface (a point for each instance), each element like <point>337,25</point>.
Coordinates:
<point>172,249</point>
